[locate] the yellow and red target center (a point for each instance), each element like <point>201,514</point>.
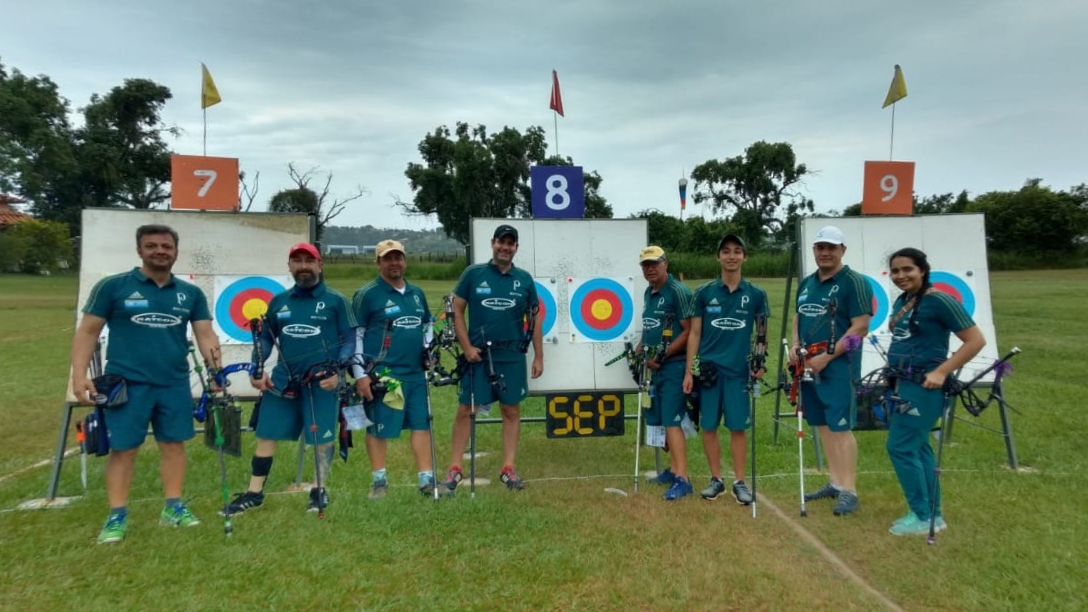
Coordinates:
<point>254,308</point>
<point>601,309</point>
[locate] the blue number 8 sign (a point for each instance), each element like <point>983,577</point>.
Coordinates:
<point>558,192</point>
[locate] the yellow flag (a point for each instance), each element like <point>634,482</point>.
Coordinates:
<point>897,91</point>
<point>209,95</point>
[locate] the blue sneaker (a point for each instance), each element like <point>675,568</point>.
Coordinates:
<point>911,525</point>
<point>664,478</point>
<point>178,515</point>
<point>680,487</point>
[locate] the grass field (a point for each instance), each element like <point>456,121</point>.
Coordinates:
<point>1016,541</point>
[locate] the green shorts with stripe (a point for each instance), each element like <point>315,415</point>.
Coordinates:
<point>168,409</point>
<point>667,398</point>
<point>830,402</point>
<point>284,418</point>
<point>728,397</point>
<point>389,422</point>
<point>514,376</point>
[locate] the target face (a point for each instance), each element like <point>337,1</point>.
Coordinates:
<point>241,298</point>
<point>547,307</point>
<point>601,309</point>
<point>955,286</point>
<point>880,304</point>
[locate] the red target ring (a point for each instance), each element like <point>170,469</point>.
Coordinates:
<point>601,309</point>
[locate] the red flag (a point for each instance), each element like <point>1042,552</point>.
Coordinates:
<point>556,103</point>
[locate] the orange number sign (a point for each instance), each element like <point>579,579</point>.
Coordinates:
<point>889,188</point>
<point>204,183</point>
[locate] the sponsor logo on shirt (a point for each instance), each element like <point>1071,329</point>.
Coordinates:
<point>156,319</point>
<point>483,289</point>
<point>901,333</point>
<point>407,322</point>
<point>811,310</point>
<point>648,323</point>
<point>498,303</point>
<point>136,304</point>
<point>391,308</point>
<point>299,330</point>
<point>283,313</point>
<point>728,323</point>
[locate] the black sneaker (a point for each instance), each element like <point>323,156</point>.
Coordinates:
<point>246,501</point>
<point>319,499</point>
<point>825,492</point>
<point>847,503</point>
<point>427,488</point>
<point>378,489</point>
<point>742,493</point>
<point>714,489</point>
<point>510,478</point>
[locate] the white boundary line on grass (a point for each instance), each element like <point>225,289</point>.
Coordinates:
<point>42,463</point>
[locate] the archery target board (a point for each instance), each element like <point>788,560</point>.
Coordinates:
<point>598,257</point>
<point>211,246</point>
<point>241,298</point>
<point>955,246</point>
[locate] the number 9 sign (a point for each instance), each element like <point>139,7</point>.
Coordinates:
<point>558,192</point>
<point>888,188</point>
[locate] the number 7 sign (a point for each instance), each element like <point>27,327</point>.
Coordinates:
<point>888,188</point>
<point>204,183</point>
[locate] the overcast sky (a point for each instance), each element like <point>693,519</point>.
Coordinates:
<point>997,88</point>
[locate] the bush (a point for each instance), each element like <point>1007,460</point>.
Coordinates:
<point>47,246</point>
<point>12,250</point>
<point>761,264</point>
<point>417,270</point>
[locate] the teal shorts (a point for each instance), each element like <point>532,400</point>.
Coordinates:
<point>728,396</point>
<point>831,402</point>
<point>389,422</point>
<point>667,400</point>
<point>514,375</point>
<point>168,409</point>
<point>284,419</point>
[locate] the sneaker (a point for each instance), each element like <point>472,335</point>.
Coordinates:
<point>178,515</point>
<point>910,516</point>
<point>664,478</point>
<point>714,489</point>
<point>427,488</point>
<point>319,499</point>
<point>847,503</point>
<point>911,525</point>
<point>742,493</point>
<point>511,479</point>
<point>246,501</point>
<point>828,491</point>
<point>453,476</point>
<point>938,525</point>
<point>680,487</point>
<point>378,489</point>
<point>114,529</point>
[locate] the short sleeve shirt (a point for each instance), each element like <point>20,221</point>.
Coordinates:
<point>311,325</point>
<point>148,342</point>
<point>498,304</point>
<point>924,346</point>
<point>671,303</point>
<point>378,306</point>
<point>825,308</point>
<point>727,322</point>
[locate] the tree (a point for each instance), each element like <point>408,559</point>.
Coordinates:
<point>665,231</point>
<point>46,246</point>
<point>1033,220</point>
<point>304,199</point>
<point>248,193</point>
<point>756,190</point>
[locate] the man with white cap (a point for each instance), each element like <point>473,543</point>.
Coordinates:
<point>832,302</point>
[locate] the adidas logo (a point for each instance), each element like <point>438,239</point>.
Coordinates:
<point>389,303</point>
<point>842,422</point>
<point>914,412</point>
<point>327,434</point>
<point>283,308</point>
<point>714,302</point>
<point>484,284</point>
<point>135,296</point>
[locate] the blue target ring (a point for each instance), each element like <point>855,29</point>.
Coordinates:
<point>880,304</point>
<point>230,306</point>
<point>949,283</point>
<point>601,309</point>
<point>547,306</point>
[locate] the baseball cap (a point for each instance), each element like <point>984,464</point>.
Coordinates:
<point>651,253</point>
<point>504,230</point>
<point>385,246</point>
<point>732,238</point>
<point>305,247</point>
<point>830,235</point>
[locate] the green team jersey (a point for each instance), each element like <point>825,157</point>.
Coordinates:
<point>497,307</point>
<point>312,326</point>
<point>728,322</point>
<point>147,335</point>
<point>825,308</point>
<point>920,340</point>
<point>673,300</point>
<point>378,305</point>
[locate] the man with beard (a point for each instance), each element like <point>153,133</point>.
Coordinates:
<point>497,296</point>
<point>147,310</point>
<point>311,325</point>
<point>389,308</point>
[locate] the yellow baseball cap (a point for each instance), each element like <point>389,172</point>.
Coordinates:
<point>651,253</point>
<point>387,246</point>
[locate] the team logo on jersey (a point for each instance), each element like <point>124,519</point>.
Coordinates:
<point>811,310</point>
<point>803,296</point>
<point>728,323</point>
<point>483,289</point>
<point>418,302</point>
<point>743,301</point>
<point>407,322</point>
<point>901,333</point>
<point>156,319</point>
<point>391,308</point>
<point>298,330</point>
<point>650,323</point>
<point>498,303</point>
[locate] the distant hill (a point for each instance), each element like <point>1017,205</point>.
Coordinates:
<point>415,241</point>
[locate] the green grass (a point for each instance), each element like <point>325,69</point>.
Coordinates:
<point>1016,540</point>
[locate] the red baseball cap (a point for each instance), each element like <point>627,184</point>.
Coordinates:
<point>305,247</point>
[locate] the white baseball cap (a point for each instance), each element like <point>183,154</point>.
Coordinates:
<point>829,234</point>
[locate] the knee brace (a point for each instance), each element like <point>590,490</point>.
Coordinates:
<point>262,466</point>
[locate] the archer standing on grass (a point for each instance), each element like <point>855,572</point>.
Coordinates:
<point>147,310</point>
<point>832,302</point>
<point>391,305</point>
<point>726,311</point>
<point>667,301</point>
<point>497,296</point>
<point>313,327</point>
<point>919,363</point>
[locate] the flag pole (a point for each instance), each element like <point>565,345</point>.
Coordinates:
<point>555,118</point>
<point>891,145</point>
<point>205,111</point>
